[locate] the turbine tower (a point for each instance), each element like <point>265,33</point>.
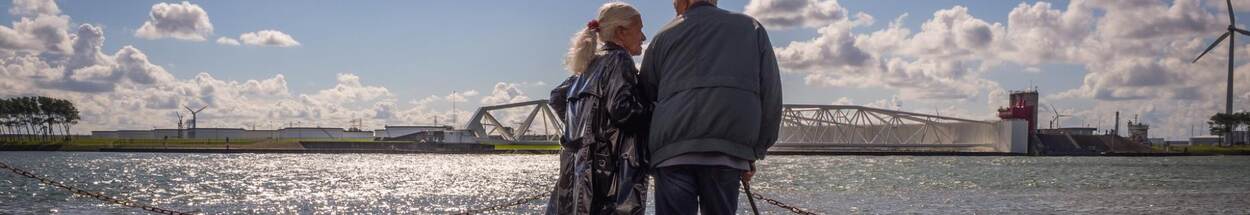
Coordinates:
<point>194,120</point>
<point>1055,120</point>
<point>1232,29</point>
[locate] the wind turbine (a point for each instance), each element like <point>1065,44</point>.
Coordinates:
<point>1054,120</point>
<point>194,119</point>
<point>1232,29</point>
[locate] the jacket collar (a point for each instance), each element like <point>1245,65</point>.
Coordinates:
<point>609,46</point>
<point>699,8</point>
<point>700,4</point>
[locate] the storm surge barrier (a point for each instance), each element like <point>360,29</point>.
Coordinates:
<point>859,128</point>
<point>804,128</point>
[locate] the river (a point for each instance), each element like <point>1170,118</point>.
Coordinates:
<point>438,184</point>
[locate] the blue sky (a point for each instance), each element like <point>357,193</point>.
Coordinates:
<point>418,49</point>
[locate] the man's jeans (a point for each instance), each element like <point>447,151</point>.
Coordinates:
<point>686,189</point>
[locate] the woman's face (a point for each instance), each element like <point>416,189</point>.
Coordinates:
<point>631,36</point>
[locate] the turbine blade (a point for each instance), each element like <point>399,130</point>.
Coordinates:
<point>1231,20</point>
<point>1217,42</point>
<point>1243,32</point>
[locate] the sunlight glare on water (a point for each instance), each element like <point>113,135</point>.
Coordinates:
<point>440,184</point>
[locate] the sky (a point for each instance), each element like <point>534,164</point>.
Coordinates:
<point>268,64</point>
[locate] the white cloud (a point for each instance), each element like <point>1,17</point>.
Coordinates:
<point>32,8</point>
<point>461,96</point>
<point>505,93</point>
<point>227,41</point>
<point>1135,54</point>
<point>937,63</point>
<point>269,38</point>
<point>42,33</point>
<point>184,21</point>
<point>125,90</point>
<point>782,14</point>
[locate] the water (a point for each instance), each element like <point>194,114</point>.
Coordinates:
<point>428,183</point>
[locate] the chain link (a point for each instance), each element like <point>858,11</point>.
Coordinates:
<point>792,209</point>
<point>95,195</point>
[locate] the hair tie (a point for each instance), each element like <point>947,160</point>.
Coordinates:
<point>593,25</point>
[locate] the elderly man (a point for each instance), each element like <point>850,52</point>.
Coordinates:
<point>714,80</point>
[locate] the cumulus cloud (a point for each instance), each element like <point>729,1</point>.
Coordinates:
<point>782,14</point>
<point>183,21</point>
<point>32,8</point>
<point>268,38</point>
<point>939,62</point>
<point>461,96</point>
<point>124,89</point>
<point>1135,54</point>
<point>41,33</point>
<point>505,93</point>
<point>227,41</point>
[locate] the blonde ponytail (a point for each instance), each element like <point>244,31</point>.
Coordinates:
<point>585,43</point>
<point>582,49</point>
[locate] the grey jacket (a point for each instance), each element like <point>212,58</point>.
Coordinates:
<point>717,88</point>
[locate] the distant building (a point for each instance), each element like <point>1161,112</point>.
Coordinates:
<point>1156,141</point>
<point>1070,131</point>
<point>235,133</point>
<point>136,134</point>
<point>260,134</point>
<point>1205,140</point>
<point>1138,132</point>
<point>321,133</point>
<point>218,133</point>
<point>104,134</point>
<point>392,131</point>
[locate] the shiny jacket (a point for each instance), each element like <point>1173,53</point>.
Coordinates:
<point>603,157</point>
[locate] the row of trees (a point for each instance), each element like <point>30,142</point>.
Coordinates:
<point>1223,124</point>
<point>36,118</point>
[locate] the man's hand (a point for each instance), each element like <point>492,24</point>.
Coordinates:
<point>746,176</point>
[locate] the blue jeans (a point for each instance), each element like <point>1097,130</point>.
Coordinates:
<point>687,189</point>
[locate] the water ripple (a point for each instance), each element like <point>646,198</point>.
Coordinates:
<point>435,184</point>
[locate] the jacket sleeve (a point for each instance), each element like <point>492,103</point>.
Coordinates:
<point>625,104</point>
<point>648,78</point>
<point>770,95</point>
<point>559,97</point>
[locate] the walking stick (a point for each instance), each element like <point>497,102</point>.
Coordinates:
<point>750,197</point>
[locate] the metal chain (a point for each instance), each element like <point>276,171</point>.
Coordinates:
<point>792,209</point>
<point>540,195</point>
<point>95,195</point>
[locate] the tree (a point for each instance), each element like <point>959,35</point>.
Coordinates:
<point>36,117</point>
<point>1222,124</point>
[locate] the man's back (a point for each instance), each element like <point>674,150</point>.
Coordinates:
<point>714,78</point>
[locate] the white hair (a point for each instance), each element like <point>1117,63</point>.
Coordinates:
<point>585,42</point>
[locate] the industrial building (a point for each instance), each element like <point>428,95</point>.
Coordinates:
<point>285,133</point>
<point>1074,140</point>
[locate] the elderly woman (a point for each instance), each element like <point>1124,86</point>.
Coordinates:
<point>602,160</point>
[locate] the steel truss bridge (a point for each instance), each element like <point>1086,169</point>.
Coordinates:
<point>516,123</point>
<point>803,127</point>
<point>848,126</point>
